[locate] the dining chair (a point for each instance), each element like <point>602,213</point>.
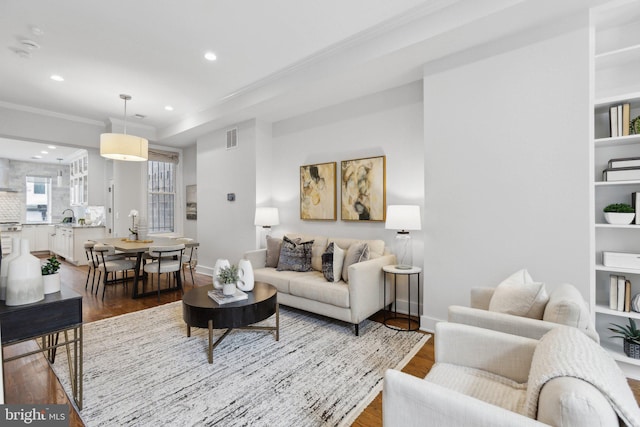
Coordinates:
<point>190,261</point>
<point>168,259</point>
<point>92,263</point>
<point>110,263</point>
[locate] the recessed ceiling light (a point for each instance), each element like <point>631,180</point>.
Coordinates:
<point>168,107</point>
<point>210,56</point>
<point>52,147</point>
<point>44,152</point>
<point>57,78</point>
<point>36,157</point>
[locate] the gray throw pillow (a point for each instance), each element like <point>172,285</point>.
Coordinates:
<point>332,260</point>
<point>273,251</point>
<point>357,252</point>
<point>294,256</point>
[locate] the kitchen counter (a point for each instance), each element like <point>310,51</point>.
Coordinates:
<point>58,224</point>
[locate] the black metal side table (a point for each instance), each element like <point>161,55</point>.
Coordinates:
<point>413,271</point>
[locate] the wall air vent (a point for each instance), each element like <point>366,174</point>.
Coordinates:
<point>232,138</point>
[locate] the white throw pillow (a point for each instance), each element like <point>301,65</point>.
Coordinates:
<point>332,261</point>
<point>520,295</point>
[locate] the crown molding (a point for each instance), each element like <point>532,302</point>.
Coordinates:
<point>41,112</point>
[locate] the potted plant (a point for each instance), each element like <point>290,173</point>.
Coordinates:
<point>631,338</point>
<point>619,213</point>
<point>50,276</point>
<point>228,276</point>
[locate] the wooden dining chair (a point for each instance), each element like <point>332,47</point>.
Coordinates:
<point>109,264</point>
<point>167,259</point>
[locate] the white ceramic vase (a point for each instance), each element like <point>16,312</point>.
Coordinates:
<point>229,288</point>
<point>245,274</point>
<point>51,283</point>
<point>24,279</point>
<point>619,218</point>
<point>4,267</point>
<point>216,269</point>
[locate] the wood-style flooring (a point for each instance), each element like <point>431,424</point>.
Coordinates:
<point>30,380</point>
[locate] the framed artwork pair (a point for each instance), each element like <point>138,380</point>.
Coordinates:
<point>362,195</point>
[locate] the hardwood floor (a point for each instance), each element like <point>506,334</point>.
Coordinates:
<point>30,379</point>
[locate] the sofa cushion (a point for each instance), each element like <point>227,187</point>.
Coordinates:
<point>567,307</point>
<point>332,261</point>
<point>519,295</point>
<point>279,279</point>
<point>317,249</point>
<point>273,251</point>
<point>314,286</point>
<point>295,255</point>
<point>357,252</point>
<point>482,385</point>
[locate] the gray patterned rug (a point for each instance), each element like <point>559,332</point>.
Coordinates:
<point>140,369</point>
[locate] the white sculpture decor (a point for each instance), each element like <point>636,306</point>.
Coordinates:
<point>245,272</point>
<point>216,270</point>
<point>4,267</point>
<point>24,279</point>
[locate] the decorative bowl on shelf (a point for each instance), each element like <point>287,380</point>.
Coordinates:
<point>619,218</point>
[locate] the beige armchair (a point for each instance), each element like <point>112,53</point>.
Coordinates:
<point>487,378</point>
<point>565,307</point>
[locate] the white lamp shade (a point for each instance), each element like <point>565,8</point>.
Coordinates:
<point>266,217</point>
<point>120,146</point>
<point>403,217</point>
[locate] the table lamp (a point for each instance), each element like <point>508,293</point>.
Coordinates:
<point>403,218</point>
<point>266,218</point>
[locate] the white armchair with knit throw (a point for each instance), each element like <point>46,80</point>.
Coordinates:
<point>521,306</point>
<point>484,378</point>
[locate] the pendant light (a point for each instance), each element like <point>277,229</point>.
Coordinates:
<point>120,146</point>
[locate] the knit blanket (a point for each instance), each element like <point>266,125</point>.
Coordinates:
<point>566,351</point>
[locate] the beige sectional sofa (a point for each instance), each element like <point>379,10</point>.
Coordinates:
<point>351,301</point>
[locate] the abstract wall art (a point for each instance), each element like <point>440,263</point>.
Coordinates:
<point>318,191</point>
<point>363,189</point>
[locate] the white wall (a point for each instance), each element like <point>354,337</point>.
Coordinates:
<point>225,229</point>
<point>388,123</point>
<point>507,171</point>
<point>189,177</point>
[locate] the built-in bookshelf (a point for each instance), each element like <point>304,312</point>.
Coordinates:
<point>616,65</point>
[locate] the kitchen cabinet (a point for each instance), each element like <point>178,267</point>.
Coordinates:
<point>69,242</point>
<point>79,180</point>
<point>37,235</point>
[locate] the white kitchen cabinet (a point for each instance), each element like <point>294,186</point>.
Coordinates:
<point>69,242</point>
<point>37,235</point>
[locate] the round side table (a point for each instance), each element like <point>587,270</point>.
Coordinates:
<point>412,324</point>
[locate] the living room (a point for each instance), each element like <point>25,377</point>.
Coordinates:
<point>489,135</point>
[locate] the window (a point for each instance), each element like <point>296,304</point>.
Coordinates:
<point>38,199</point>
<point>161,184</point>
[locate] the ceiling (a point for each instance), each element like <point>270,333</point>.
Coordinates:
<point>275,58</point>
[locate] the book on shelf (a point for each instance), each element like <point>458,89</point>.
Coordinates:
<point>621,292</point>
<point>613,292</point>
<point>625,162</point>
<point>221,298</point>
<point>621,174</point>
<point>627,295</point>
<point>635,203</point>
<point>625,119</point>
<point>619,119</point>
<point>613,121</point>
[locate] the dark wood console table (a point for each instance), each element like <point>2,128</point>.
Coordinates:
<point>59,313</point>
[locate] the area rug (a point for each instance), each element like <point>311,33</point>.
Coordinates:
<point>141,369</point>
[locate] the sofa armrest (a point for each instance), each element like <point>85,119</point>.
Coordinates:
<point>258,257</point>
<point>507,323</point>
<point>366,283</point>
<point>409,401</point>
<point>502,354</point>
<point>481,297</point>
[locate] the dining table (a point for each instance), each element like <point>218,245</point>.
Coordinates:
<point>139,248</point>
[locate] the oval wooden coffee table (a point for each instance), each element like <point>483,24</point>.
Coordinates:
<point>200,311</point>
